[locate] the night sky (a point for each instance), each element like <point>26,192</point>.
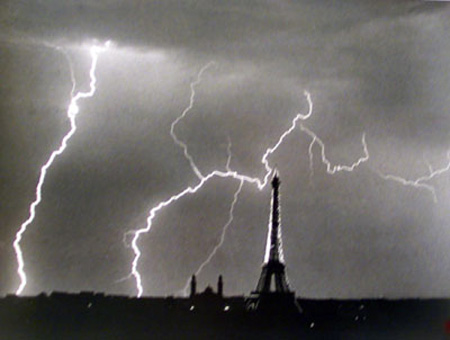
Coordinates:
<point>375,66</point>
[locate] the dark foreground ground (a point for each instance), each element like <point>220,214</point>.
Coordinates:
<point>96,316</point>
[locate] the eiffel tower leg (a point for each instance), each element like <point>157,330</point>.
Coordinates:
<point>278,283</point>
<point>285,284</point>
<point>267,282</point>
<point>264,281</point>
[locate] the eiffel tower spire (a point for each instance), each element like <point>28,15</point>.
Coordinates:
<point>274,247</point>
<point>273,271</point>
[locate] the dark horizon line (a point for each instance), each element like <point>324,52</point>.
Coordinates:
<point>243,296</point>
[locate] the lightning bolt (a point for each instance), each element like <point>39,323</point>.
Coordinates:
<point>228,164</point>
<point>260,183</point>
<point>222,236</point>
<point>69,61</point>
<point>72,111</point>
<point>183,114</point>
<point>225,227</point>
<point>421,182</point>
<point>429,166</point>
<point>332,169</point>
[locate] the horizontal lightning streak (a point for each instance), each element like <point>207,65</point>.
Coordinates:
<point>421,181</point>
<point>406,182</point>
<point>72,112</point>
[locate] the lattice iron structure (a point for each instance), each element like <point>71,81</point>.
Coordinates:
<point>273,275</point>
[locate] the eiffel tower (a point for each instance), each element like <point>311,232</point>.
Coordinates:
<point>272,291</point>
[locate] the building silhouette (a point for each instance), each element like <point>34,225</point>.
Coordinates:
<point>208,290</point>
<point>193,286</point>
